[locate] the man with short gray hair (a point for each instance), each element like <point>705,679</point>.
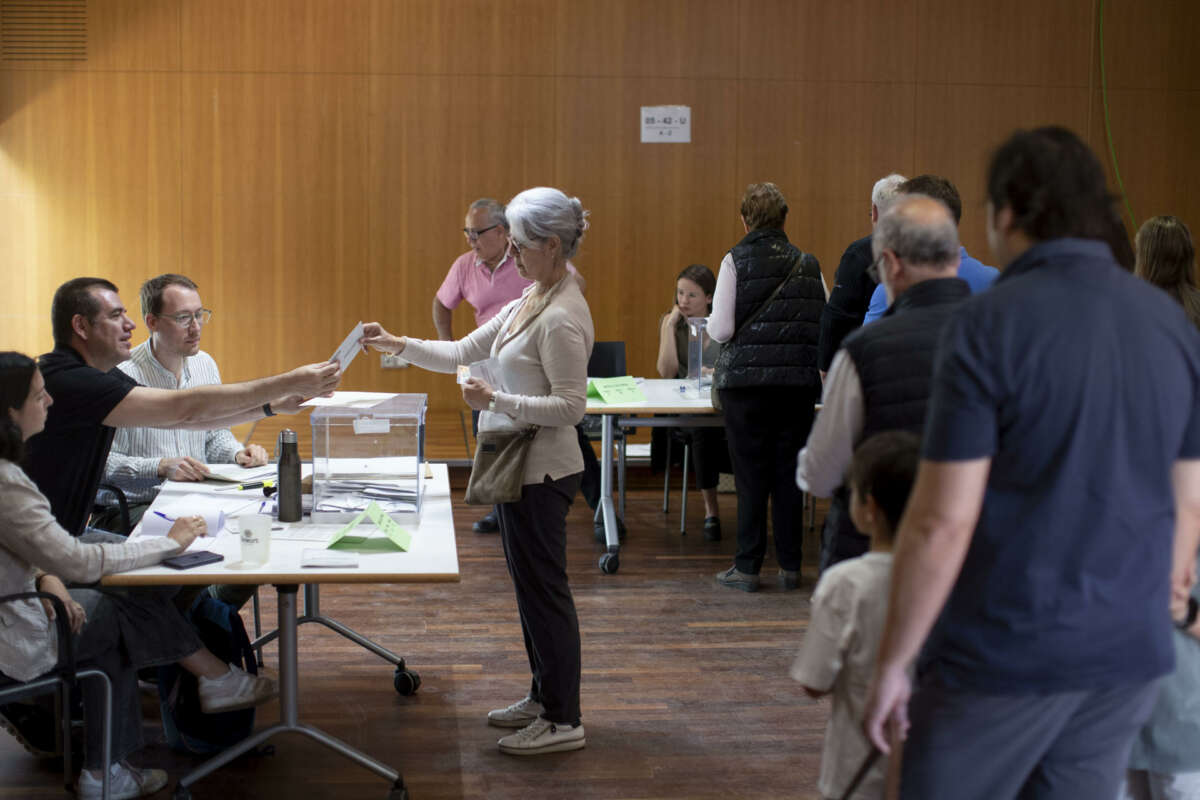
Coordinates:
<point>852,286</point>
<point>880,379</point>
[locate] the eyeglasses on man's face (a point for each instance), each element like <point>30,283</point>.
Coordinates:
<point>473,234</point>
<point>186,318</point>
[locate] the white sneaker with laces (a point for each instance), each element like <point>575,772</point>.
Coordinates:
<point>235,690</point>
<point>124,782</point>
<point>543,736</point>
<point>518,715</point>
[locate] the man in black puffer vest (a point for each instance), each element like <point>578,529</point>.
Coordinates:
<point>880,379</point>
<point>767,378</point>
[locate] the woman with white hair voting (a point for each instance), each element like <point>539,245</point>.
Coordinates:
<point>538,348</point>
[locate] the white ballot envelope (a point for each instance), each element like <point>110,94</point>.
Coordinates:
<point>487,371</point>
<point>349,347</point>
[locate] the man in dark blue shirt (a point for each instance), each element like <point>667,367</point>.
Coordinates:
<point>1057,507</point>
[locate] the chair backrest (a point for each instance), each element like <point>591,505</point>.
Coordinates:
<point>607,361</point>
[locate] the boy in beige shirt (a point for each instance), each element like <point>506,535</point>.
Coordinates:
<point>849,607</point>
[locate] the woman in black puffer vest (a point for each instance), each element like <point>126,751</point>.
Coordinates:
<point>768,380</point>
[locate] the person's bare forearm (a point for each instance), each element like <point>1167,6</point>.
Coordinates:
<point>442,319</point>
<point>1185,483</point>
<point>932,543</point>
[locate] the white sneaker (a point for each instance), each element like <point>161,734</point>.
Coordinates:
<point>124,782</point>
<point>518,715</point>
<point>543,736</point>
<point>235,690</point>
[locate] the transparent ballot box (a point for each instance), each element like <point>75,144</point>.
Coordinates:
<point>702,356</point>
<point>369,454</point>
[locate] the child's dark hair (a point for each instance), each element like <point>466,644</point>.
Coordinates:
<point>884,467</point>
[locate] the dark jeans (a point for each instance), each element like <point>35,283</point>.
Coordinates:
<point>125,631</point>
<point>766,427</point>
<point>1063,746</point>
<point>533,531</point>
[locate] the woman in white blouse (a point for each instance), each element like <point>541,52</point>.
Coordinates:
<point>541,343</point>
<point>119,632</point>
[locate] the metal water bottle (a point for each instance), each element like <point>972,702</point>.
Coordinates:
<point>288,483</point>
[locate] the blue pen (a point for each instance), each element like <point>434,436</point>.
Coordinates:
<point>164,516</point>
<point>261,506</point>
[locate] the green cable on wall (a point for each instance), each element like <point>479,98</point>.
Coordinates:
<point>1112,150</point>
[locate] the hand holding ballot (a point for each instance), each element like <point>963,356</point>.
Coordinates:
<point>477,393</point>
<point>374,335</point>
<point>315,379</point>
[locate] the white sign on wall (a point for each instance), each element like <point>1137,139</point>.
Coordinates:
<point>666,124</point>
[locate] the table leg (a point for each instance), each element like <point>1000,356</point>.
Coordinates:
<point>312,613</point>
<point>289,714</point>
<point>610,560</point>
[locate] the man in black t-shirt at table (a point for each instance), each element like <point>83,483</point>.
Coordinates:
<point>91,398</point>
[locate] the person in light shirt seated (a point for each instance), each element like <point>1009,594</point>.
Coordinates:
<point>115,631</point>
<point>171,358</point>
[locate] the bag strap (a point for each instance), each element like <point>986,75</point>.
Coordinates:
<point>758,311</point>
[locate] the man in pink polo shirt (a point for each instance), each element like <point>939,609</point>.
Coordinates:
<point>486,277</point>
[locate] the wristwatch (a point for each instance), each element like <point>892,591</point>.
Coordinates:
<point>492,404</point>
<point>1192,611</point>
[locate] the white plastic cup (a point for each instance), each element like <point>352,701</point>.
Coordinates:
<point>256,538</point>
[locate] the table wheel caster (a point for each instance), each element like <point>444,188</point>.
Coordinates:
<point>182,792</point>
<point>398,791</point>
<point>610,563</point>
<point>406,682</point>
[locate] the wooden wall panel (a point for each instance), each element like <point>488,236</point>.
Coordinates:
<point>92,177</point>
<point>275,217</point>
<point>958,127</point>
<point>428,162</point>
<point>1152,45</point>
<point>465,37</point>
<point>309,161</point>
<point>633,38</point>
<point>133,35</point>
<point>1015,43</point>
<point>815,40</point>
<point>1147,131</point>
<point>655,208</point>
<point>275,35</point>
<point>815,142</point>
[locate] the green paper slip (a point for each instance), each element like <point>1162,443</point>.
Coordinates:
<point>615,390</point>
<point>394,537</point>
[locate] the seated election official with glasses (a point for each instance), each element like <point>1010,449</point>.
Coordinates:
<point>171,358</point>
<point>118,632</point>
<point>542,341</point>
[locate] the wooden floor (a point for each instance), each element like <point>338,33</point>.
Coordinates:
<point>685,685</point>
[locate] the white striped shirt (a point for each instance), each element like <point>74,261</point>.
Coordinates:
<point>133,459</point>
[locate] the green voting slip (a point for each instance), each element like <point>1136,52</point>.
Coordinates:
<point>615,390</point>
<point>394,537</point>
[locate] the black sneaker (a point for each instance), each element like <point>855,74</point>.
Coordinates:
<point>32,726</point>
<point>712,529</point>
<point>602,537</point>
<point>487,523</point>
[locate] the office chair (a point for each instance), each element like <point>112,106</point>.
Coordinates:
<point>63,680</point>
